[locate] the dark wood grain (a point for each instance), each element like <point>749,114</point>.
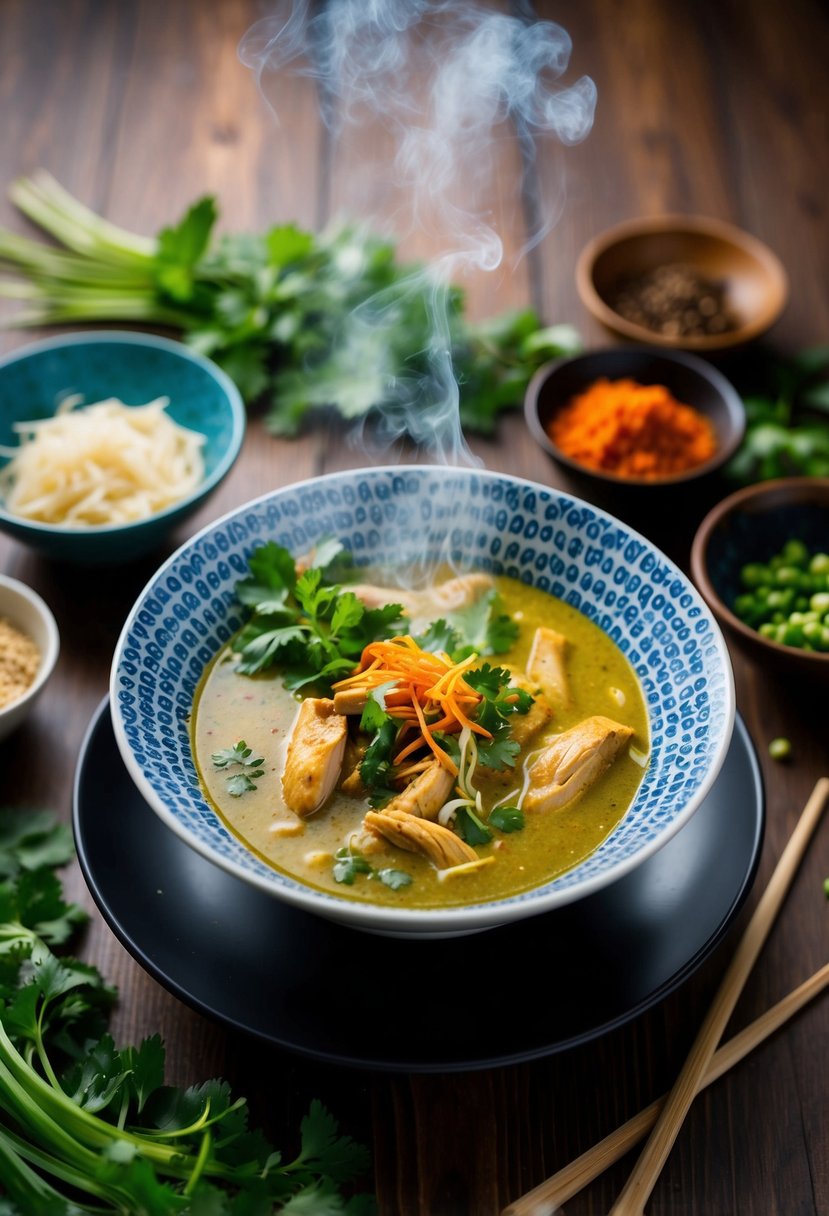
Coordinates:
<point>721,108</point>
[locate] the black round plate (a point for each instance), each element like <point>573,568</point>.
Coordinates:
<point>307,985</point>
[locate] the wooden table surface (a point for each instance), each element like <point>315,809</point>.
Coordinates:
<point>718,108</point>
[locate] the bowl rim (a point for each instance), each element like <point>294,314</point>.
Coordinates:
<point>699,562</point>
<point>694,225</point>
<point>49,655</point>
<point>730,397</point>
<point>155,341</point>
<point>411,921</point>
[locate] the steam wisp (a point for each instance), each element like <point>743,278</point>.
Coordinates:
<point>447,80</point>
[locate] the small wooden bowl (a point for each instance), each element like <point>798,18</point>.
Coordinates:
<point>755,283</point>
<point>751,525</point>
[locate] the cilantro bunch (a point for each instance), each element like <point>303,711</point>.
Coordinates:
<point>86,1127</point>
<point>300,322</point>
<point>313,631</point>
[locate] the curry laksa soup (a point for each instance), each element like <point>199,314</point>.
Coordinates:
<point>441,747</point>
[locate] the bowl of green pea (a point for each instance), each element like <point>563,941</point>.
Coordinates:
<point>761,561</point>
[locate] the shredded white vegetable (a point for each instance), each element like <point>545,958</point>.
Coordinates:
<point>104,463</point>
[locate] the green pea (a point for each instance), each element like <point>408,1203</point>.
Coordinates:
<point>767,629</point>
<point>820,602</point>
<point>755,575</point>
<point>812,632</point>
<point>801,603</point>
<point>796,552</point>
<point>819,564</point>
<point>780,749</point>
<point>787,576</point>
<point>792,634</point>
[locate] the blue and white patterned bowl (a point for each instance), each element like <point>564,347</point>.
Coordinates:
<point>497,523</point>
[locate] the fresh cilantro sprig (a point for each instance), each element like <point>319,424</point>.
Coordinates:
<point>240,753</point>
<point>86,1126</point>
<point>304,323</point>
<point>481,628</point>
<point>349,864</point>
<point>313,630</point>
<point>500,701</point>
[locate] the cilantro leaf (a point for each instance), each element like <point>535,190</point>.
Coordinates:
<point>376,765</point>
<point>440,636</point>
<point>507,819</point>
<point>243,783</point>
<point>348,864</point>
<point>470,828</point>
<point>240,753</point>
<point>482,626</point>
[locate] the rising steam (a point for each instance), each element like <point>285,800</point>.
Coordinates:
<point>447,79</point>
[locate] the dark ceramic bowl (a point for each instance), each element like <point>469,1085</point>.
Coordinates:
<point>753,280</point>
<point>689,379</point>
<point>752,525</point>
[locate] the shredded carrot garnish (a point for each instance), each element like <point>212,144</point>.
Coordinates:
<point>427,692</point>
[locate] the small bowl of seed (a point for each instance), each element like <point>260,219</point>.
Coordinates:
<point>688,282</point>
<point>29,646</point>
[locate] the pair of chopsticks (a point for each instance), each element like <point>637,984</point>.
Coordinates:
<point>704,1064</point>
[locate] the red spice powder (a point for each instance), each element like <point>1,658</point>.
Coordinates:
<point>632,430</point>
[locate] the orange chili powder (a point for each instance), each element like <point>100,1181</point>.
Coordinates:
<point>632,430</point>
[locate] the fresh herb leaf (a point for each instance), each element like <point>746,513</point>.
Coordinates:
<point>349,864</point>
<point>483,628</point>
<point>282,312</point>
<point>470,828</point>
<point>243,783</point>
<point>507,819</point>
<point>91,1127</point>
<point>440,636</point>
<point>376,766</point>
<point>240,753</point>
<point>314,630</point>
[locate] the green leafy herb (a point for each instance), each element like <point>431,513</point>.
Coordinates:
<point>87,1127</point>
<point>507,819</point>
<point>480,628</point>
<point>314,630</point>
<point>240,753</point>
<point>284,313</point>
<point>500,701</point>
<point>349,864</point>
<point>470,828</point>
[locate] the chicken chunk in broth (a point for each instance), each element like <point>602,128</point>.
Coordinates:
<point>432,773</point>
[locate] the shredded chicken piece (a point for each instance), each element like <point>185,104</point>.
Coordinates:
<point>315,755</point>
<point>573,761</point>
<point>351,782</point>
<point>546,665</point>
<point>448,596</point>
<point>457,592</point>
<point>442,847</point>
<point>426,794</point>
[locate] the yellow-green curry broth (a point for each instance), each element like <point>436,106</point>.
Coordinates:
<point>230,707</point>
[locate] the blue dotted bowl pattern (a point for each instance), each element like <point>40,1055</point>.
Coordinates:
<point>470,518</point>
<point>135,368</point>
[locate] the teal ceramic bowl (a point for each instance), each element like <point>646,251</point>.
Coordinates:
<point>135,368</point>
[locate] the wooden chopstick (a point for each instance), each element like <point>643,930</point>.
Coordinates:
<point>635,1193</point>
<point>547,1197</point>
